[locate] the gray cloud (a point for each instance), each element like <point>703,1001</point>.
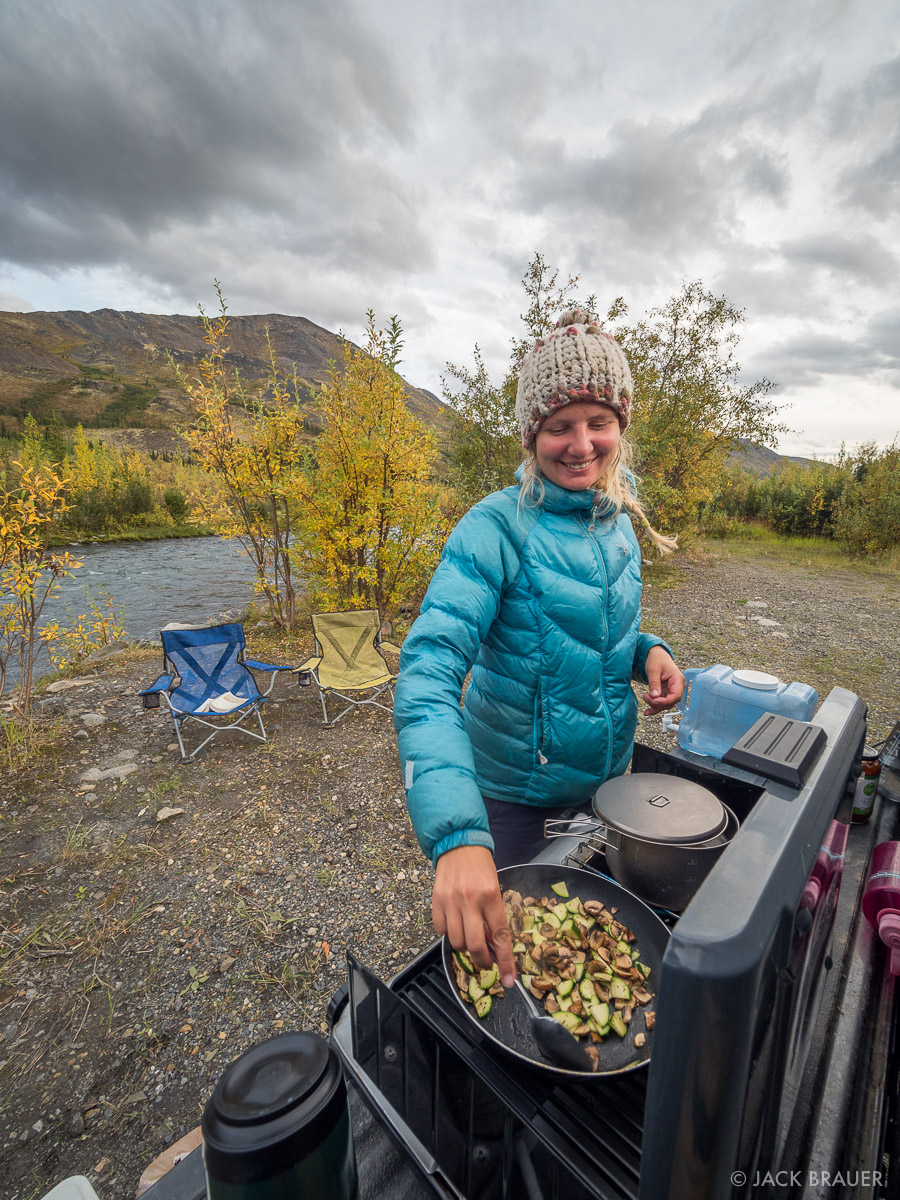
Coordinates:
<point>322,158</point>
<point>863,257</point>
<point>119,122</point>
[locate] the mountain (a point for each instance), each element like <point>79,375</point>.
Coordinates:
<point>111,369</point>
<point>760,460</point>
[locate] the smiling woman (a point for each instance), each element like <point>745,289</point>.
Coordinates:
<point>539,594</point>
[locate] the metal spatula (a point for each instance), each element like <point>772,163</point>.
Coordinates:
<point>554,1039</point>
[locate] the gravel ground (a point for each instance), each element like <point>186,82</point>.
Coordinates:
<point>139,955</point>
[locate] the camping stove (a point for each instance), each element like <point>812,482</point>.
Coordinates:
<point>774,1062</point>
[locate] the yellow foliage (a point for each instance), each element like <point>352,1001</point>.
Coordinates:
<point>256,465</point>
<point>29,570</point>
<point>371,525</point>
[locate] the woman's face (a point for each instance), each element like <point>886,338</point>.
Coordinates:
<point>575,445</point>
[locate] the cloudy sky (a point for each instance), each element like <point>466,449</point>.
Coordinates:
<point>321,159</point>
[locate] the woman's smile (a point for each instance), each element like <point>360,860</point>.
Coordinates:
<point>575,445</point>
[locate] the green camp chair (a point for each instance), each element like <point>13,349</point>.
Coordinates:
<point>348,660</point>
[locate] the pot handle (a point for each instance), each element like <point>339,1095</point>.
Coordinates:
<point>595,833</point>
<point>690,674</point>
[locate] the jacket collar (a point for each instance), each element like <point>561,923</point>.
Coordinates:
<point>561,500</point>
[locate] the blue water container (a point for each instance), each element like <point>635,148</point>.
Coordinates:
<point>720,705</point>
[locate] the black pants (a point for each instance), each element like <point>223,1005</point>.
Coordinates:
<point>518,829</point>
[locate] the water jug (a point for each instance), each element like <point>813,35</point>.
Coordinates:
<point>724,704</point>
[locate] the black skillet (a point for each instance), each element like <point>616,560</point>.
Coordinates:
<point>508,1024</point>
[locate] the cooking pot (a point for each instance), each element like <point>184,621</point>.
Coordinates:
<point>662,834</point>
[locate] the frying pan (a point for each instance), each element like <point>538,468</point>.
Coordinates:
<point>508,1024</point>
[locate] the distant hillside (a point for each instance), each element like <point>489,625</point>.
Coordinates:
<point>111,369</point>
<point>760,460</point>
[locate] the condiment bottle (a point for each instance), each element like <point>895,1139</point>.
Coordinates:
<point>881,899</point>
<point>866,786</point>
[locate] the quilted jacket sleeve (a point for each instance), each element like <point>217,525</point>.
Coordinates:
<point>435,753</point>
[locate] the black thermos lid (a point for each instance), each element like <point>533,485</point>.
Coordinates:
<point>273,1106</point>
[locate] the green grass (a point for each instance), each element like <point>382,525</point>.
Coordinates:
<point>759,542</point>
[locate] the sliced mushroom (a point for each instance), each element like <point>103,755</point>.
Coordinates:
<point>543,983</point>
<point>551,1003</point>
<point>639,1039</point>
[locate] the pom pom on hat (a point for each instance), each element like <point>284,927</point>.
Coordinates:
<point>577,361</point>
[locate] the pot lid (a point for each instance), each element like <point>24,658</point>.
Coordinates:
<point>660,808</point>
<point>760,681</point>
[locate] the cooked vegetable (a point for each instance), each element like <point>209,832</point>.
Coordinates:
<point>574,956</point>
<point>580,961</point>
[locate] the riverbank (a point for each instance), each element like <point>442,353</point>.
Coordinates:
<point>150,533</point>
<point>142,950</point>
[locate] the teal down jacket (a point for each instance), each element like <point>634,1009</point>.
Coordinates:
<point>543,604</point>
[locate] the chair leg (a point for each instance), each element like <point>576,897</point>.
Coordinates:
<point>185,757</point>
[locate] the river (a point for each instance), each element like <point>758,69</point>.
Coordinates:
<point>180,579</point>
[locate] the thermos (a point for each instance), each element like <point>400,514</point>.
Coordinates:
<point>881,899</point>
<point>277,1126</point>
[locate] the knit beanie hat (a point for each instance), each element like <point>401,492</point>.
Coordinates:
<point>578,361</point>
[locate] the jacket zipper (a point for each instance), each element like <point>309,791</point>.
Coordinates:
<point>591,524</point>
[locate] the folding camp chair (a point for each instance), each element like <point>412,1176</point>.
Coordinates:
<point>208,681</point>
<point>348,659</point>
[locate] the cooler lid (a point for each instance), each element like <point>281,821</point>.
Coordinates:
<point>660,808</point>
<point>271,1078</point>
<point>758,680</point>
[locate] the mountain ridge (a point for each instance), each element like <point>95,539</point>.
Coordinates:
<point>82,365</point>
<point>110,370</point>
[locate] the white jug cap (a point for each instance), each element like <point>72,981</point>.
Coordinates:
<point>758,680</point>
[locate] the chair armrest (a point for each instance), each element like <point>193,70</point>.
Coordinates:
<point>309,665</point>
<point>261,666</point>
<point>162,684</point>
<point>389,646</point>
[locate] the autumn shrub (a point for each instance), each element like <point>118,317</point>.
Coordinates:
<point>372,523</point>
<point>867,518</point>
<point>802,499</point>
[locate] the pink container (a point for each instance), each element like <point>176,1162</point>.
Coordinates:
<point>881,899</point>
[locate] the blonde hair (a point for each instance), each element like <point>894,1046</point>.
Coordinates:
<point>617,481</point>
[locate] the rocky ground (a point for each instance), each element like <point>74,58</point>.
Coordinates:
<point>159,918</point>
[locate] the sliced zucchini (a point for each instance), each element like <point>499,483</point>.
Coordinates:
<point>464,961</point>
<point>560,912</point>
<point>488,978</point>
<point>618,1025</point>
<point>600,1013</point>
<point>587,991</point>
<point>568,1019</point>
<point>619,990</point>
<point>565,987</point>
<point>560,889</point>
<point>483,1005</point>
<point>475,992</point>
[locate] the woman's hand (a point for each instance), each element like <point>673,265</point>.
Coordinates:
<point>466,906</point>
<point>665,683</point>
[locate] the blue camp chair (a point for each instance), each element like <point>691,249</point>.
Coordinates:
<point>208,681</point>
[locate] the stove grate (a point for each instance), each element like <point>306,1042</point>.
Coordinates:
<point>494,1127</point>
